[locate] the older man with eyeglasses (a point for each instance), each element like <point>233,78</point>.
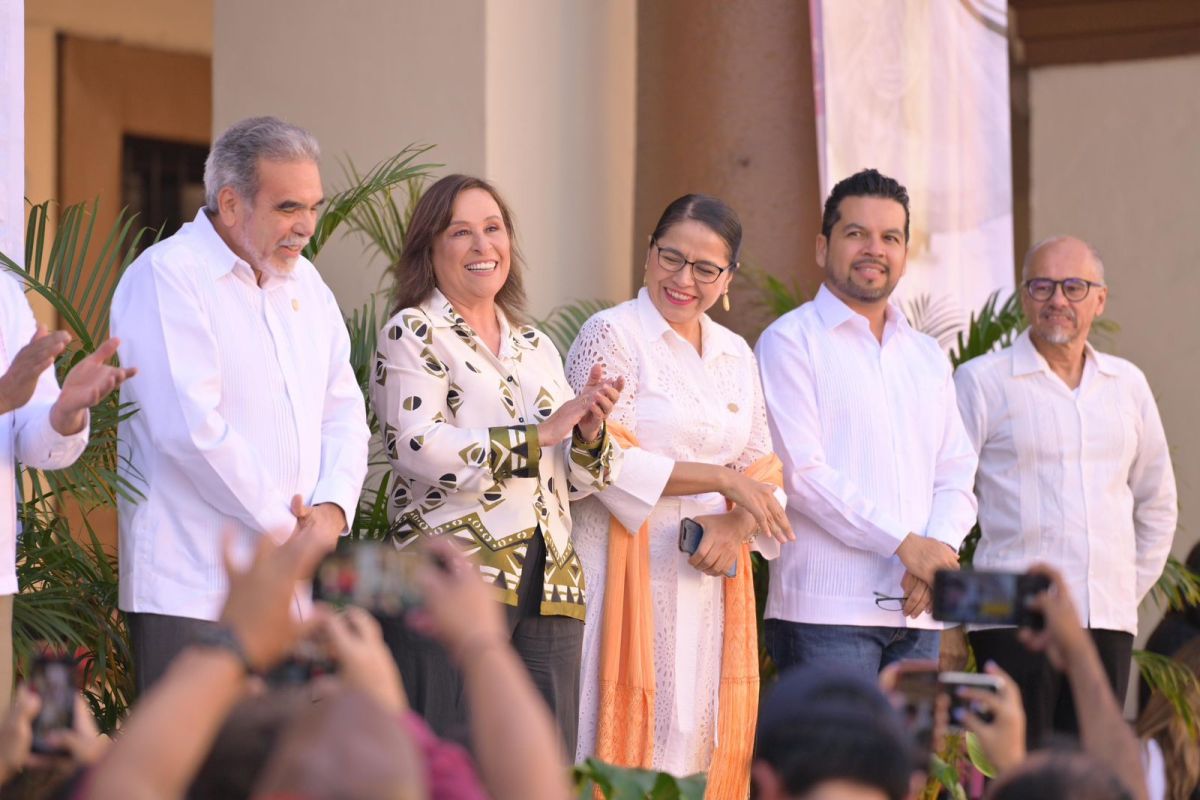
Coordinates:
<point>1073,472</point>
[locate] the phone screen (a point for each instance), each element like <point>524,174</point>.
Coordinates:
<point>914,695</point>
<point>372,575</point>
<point>53,679</point>
<point>986,598</point>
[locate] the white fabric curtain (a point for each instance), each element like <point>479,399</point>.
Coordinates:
<point>12,129</point>
<point>918,89</point>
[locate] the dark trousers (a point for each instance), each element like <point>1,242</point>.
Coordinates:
<point>1049,707</point>
<point>156,640</point>
<point>550,646</point>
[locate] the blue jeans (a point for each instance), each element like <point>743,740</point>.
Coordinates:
<point>860,649</point>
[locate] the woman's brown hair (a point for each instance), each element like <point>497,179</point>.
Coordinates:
<point>1160,720</point>
<point>413,276</point>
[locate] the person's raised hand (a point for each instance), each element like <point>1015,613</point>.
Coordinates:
<point>355,641</point>
<point>1003,738</point>
<point>924,557</point>
<point>16,732</point>
<point>758,499</point>
<point>559,425</point>
<point>83,740</point>
<point>607,391</point>
<point>258,608</point>
<point>1062,638</point>
<point>460,610</point>
<point>918,597</point>
<point>18,382</point>
<point>87,384</point>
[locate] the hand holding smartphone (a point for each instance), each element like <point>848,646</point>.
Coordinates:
<point>988,598</point>
<point>690,535</point>
<point>52,678</point>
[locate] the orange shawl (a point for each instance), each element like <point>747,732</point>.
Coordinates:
<point>625,728</point>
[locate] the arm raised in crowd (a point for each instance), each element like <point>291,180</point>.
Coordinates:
<point>520,753</point>
<point>1103,732</point>
<point>172,728</point>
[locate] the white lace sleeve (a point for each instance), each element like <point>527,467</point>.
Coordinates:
<point>599,342</point>
<point>643,476</point>
<point>759,443</point>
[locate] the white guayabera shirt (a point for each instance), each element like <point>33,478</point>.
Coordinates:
<point>245,398</point>
<point>25,434</point>
<point>872,448</point>
<point>1079,480</point>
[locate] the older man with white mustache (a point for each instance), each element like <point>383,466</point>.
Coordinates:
<point>249,418</point>
<point>1073,471</point>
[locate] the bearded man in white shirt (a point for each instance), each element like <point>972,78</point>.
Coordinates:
<point>877,467</point>
<point>1073,472</point>
<point>40,425</point>
<point>250,421</point>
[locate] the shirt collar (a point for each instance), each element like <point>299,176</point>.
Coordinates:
<point>714,339</point>
<point>221,260</point>
<point>441,314</point>
<point>1027,360</point>
<point>833,312</point>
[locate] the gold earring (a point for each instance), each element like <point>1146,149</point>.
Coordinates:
<point>725,300</point>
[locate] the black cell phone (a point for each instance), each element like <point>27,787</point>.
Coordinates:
<point>372,575</point>
<point>690,534</point>
<point>949,682</point>
<point>914,695</point>
<point>989,598</point>
<point>52,678</point>
<point>307,661</point>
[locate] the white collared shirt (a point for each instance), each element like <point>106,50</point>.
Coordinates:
<point>245,396</point>
<point>1081,480</point>
<point>25,434</point>
<point>873,449</point>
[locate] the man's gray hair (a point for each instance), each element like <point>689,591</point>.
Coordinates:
<point>233,160</point>
<point>1027,264</point>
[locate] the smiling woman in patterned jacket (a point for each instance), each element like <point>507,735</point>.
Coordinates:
<point>488,444</point>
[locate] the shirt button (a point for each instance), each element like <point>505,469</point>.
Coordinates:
<point>520,419</point>
<point>509,379</point>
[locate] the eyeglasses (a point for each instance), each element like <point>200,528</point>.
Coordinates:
<point>889,603</point>
<point>673,261</point>
<point>1074,289</point>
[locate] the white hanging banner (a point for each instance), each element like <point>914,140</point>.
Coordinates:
<point>918,89</point>
<point>12,130</point>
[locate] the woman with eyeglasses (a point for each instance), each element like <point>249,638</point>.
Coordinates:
<point>670,661</point>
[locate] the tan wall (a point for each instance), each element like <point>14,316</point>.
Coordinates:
<point>1116,160</point>
<point>537,96</point>
<point>561,81</point>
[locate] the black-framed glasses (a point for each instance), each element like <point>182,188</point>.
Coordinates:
<point>1074,289</point>
<point>672,261</point>
<point>889,603</point>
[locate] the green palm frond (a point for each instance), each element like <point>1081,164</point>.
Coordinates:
<point>382,219</point>
<point>991,327</point>
<point>776,297</point>
<point>937,317</point>
<point>1178,588</point>
<point>1175,681</point>
<point>563,323</point>
<point>381,178</point>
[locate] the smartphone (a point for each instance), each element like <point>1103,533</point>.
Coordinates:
<point>52,677</point>
<point>990,598</point>
<point>690,534</point>
<point>372,575</point>
<point>949,682</point>
<point>915,695</point>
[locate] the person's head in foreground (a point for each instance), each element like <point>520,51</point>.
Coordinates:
<point>1059,775</point>
<point>824,736</point>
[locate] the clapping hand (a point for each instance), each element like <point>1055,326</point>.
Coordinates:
<point>19,381</point>
<point>86,384</point>
<point>588,409</point>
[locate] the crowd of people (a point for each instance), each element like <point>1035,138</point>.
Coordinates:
<point>562,614</point>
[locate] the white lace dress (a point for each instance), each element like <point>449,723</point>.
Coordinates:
<point>682,406</point>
